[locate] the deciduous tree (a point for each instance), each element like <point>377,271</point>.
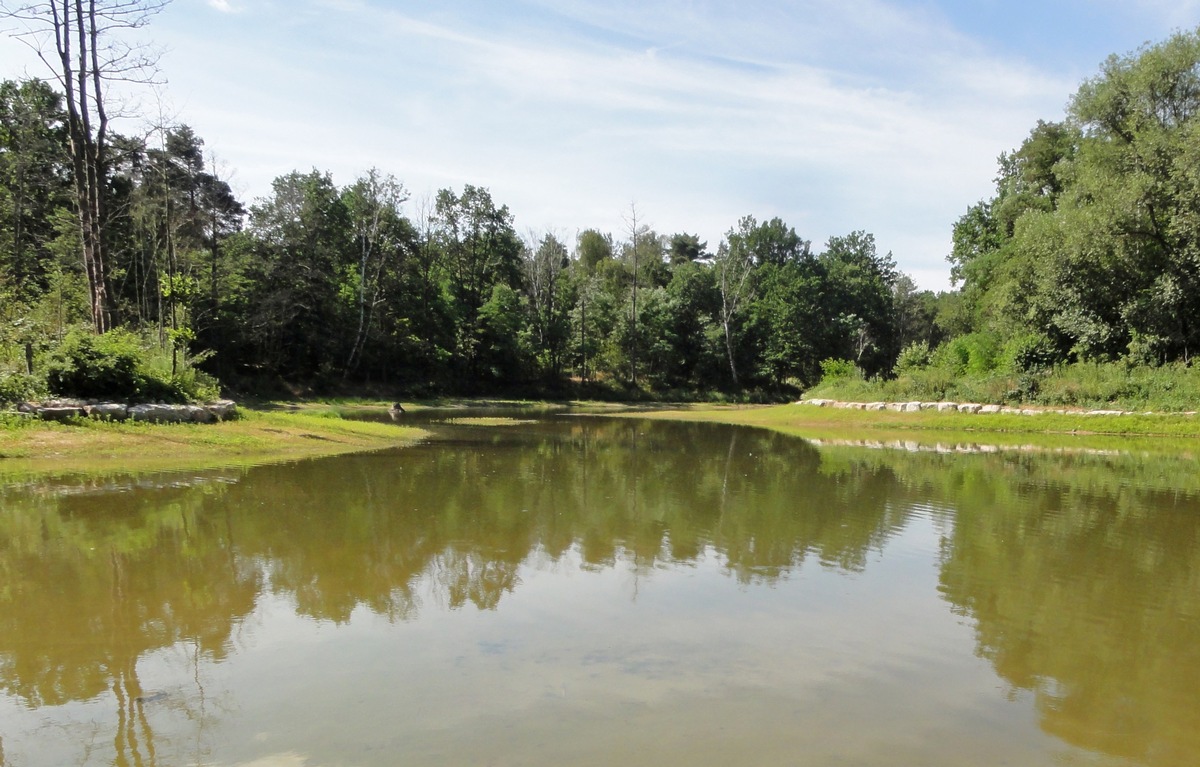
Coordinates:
<point>81,44</point>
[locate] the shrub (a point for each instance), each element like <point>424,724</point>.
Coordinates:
<point>1029,353</point>
<point>109,366</point>
<point>974,353</point>
<point>839,370</point>
<point>915,356</point>
<point>18,387</point>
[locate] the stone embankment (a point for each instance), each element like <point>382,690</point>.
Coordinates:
<point>960,448</point>
<point>63,410</point>
<point>960,407</point>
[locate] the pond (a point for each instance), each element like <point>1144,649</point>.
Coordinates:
<point>597,591</point>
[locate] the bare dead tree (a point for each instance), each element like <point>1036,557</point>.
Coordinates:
<point>79,41</point>
<point>374,202</point>
<point>637,229</point>
<point>733,266</point>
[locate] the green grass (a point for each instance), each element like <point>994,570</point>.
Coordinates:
<point>1088,385</point>
<point>35,448</point>
<point>1124,432</point>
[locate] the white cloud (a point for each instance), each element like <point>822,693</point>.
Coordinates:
<point>833,116</point>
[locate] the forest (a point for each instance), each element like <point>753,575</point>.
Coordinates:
<point>129,267</point>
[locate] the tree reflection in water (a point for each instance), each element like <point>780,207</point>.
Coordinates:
<point>1080,573</point>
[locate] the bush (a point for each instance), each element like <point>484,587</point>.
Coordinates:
<point>117,366</point>
<point>18,387</point>
<point>839,370</point>
<point>974,353</point>
<point>915,356</point>
<point>1029,353</point>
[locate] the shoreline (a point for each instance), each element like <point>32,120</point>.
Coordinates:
<point>1051,429</point>
<point>974,408</point>
<point>46,449</point>
<point>282,432</point>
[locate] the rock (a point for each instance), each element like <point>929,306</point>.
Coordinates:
<point>59,413</point>
<point>895,407</point>
<point>159,413</point>
<point>58,403</point>
<point>108,411</point>
<point>64,409</point>
<point>223,409</point>
<point>969,407</point>
<point>945,407</point>
<point>197,414</point>
<point>990,409</point>
<point>876,406</point>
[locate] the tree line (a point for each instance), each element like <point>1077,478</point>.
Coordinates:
<point>1090,247</point>
<point>1089,250</point>
<point>332,285</point>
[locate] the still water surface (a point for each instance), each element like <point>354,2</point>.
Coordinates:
<point>595,592</point>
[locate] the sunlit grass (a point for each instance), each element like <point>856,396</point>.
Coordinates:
<point>1090,385</point>
<point>31,448</point>
<point>1118,431</point>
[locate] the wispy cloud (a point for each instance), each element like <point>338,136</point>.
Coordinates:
<point>835,115</point>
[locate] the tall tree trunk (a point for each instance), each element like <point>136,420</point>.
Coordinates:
<point>87,149</point>
<point>729,351</point>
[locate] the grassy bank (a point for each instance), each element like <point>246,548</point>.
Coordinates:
<point>30,449</point>
<point>1088,385</point>
<point>1048,429</point>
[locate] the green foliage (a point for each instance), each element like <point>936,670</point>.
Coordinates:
<point>1174,387</point>
<point>1088,250</point>
<point>915,356</point>
<point>974,353</point>
<point>839,370</point>
<point>1092,237</point>
<point>87,365</point>
<point>1029,353</point>
<point>117,365</point>
<point>20,387</point>
<point>334,288</point>
<point>1089,385</point>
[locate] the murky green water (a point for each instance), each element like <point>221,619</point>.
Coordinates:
<point>596,592</point>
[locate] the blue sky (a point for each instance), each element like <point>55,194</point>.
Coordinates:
<point>835,115</point>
